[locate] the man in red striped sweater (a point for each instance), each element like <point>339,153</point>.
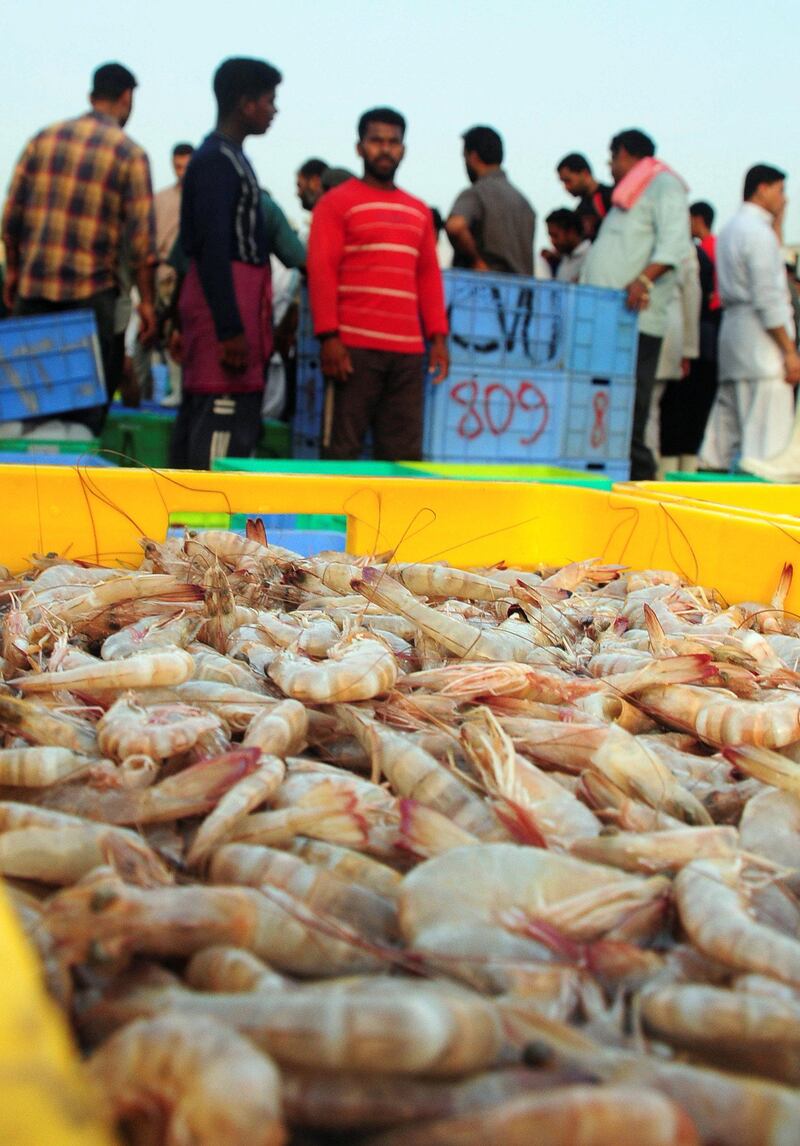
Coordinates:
<point>376,294</point>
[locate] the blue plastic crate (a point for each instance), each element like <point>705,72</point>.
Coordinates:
<point>30,458</point>
<point>540,416</point>
<point>540,372</point>
<point>49,364</point>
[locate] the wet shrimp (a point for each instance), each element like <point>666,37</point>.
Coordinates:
<point>244,797</point>
<point>144,670</point>
<point>159,732</point>
<point>359,667</point>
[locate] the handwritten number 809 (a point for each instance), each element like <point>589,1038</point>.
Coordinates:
<point>497,418</point>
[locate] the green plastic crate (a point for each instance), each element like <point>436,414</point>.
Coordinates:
<point>311,466</point>
<point>553,475</point>
<point>139,437</point>
<point>708,475</point>
<point>275,441</point>
<point>49,446</point>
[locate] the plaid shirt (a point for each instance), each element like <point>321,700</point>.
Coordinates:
<point>79,189</point>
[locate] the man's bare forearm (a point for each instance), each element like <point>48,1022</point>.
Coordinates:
<point>145,276</point>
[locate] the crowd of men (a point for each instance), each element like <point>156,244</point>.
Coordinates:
<point>216,268</point>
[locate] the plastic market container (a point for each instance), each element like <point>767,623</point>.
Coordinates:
<point>49,364</point>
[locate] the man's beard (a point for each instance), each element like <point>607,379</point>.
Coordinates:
<point>382,174</point>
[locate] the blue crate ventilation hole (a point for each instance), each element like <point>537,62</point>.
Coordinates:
<point>541,372</point>
<point>49,364</point>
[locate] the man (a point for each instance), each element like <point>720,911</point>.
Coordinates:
<point>644,237</point>
<point>491,224</point>
<point>569,245</point>
<point>309,182</point>
<point>224,299</point>
<point>80,192</point>
<point>376,293</point>
<point>758,362</point>
<point>595,198</point>
<point>701,220</point>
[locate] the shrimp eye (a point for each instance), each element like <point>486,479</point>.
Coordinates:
<point>97,953</point>
<point>537,1054</point>
<point>103,898</point>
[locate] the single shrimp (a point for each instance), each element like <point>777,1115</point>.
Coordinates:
<point>211,665</point>
<point>230,969</point>
<point>103,916</point>
<point>246,795</point>
<point>720,718</point>
<point>712,904</point>
<point>522,892</point>
<point>158,732</point>
<point>358,667</point>
<point>372,1024</point>
<point>189,793</point>
<point>279,731</point>
<point>348,864</point>
<point>192,1078</point>
<point>413,772</point>
<point>770,767</point>
<point>149,634</point>
<point>145,670</point>
<point>653,852</point>
<point>309,633</point>
<point>42,725</point>
<point>740,1030</point>
<point>770,828</point>
<point>371,914</point>
<point>55,848</point>
<point>533,806</point>
<point>38,767</point>
<point>118,590</point>
<point>590,1115</point>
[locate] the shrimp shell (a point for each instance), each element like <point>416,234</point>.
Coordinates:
<point>144,670</point>
<point>359,667</point>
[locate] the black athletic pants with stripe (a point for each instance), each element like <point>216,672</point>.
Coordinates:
<point>210,426</point>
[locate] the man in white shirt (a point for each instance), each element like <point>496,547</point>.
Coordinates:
<point>759,365</point>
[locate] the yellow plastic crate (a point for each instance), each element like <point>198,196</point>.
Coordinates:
<point>740,497</point>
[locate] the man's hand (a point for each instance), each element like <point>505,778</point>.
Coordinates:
<point>335,360</point>
<point>439,361</point>
<point>234,353</point>
<point>552,258</point>
<point>129,384</point>
<point>10,289</point>
<point>148,324</point>
<point>686,366</point>
<point>791,366</point>
<point>638,296</point>
<point>480,265</point>
<point>175,347</point>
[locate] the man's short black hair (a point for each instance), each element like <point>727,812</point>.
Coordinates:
<point>575,162</point>
<point>243,78</point>
<point>761,173</point>
<point>566,219</point>
<point>182,149</point>
<point>704,211</point>
<point>381,115</point>
<point>110,81</point>
<point>313,167</point>
<point>635,142</point>
<point>485,142</point>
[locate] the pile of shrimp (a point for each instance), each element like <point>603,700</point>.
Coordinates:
<point>319,850</point>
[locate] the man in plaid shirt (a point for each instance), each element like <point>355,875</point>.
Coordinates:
<point>80,194</point>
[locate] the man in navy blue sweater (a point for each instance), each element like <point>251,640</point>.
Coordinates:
<point>225,299</point>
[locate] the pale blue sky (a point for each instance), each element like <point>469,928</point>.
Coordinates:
<point>715,82</point>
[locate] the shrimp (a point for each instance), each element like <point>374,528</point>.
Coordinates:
<point>741,1030</point>
<point>104,917</point>
<point>211,665</point>
<point>770,767</point>
<point>144,670</point>
<point>510,892</point>
<point>195,1080</point>
<point>348,864</point>
<point>374,1024</point>
<point>231,969</point>
<point>38,767</point>
<point>713,910</point>
<point>770,827</point>
<point>721,719</point>
<point>149,634</point>
<point>158,732</point>
<point>589,1115</point>
<point>312,634</point>
<point>56,848</point>
<point>41,725</point>
<point>651,852</point>
<point>117,590</point>
<point>413,772</point>
<point>371,914</point>
<point>279,731</point>
<point>535,807</point>
<point>189,793</point>
<point>359,667</point>
<point>444,581</point>
<point>246,795</point>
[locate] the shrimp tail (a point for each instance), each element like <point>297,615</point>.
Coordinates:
<point>766,765</point>
<point>134,863</point>
<point>519,821</point>
<point>205,783</point>
<point>783,586</point>
<point>255,530</point>
<point>424,832</point>
<point>659,646</point>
